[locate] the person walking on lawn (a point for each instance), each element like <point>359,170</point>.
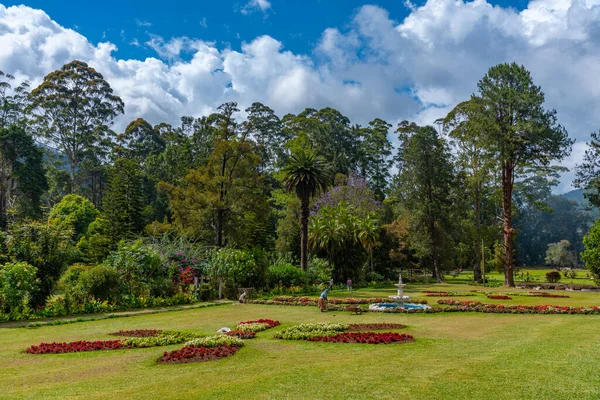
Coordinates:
<point>323,300</point>
<point>349,284</point>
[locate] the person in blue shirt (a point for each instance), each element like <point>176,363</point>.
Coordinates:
<point>323,300</point>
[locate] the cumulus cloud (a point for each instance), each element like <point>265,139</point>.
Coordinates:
<point>256,5</point>
<point>415,69</point>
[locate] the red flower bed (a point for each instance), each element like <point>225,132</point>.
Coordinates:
<point>197,354</point>
<point>72,347</point>
<point>269,322</point>
<point>242,334</point>
<point>365,337</point>
<point>499,297</point>
<point>137,333</point>
<point>475,306</point>
<point>374,327</point>
<point>546,294</point>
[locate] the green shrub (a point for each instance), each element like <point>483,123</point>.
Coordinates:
<point>44,247</point>
<point>286,274</point>
<point>235,268</point>
<point>319,270</point>
<point>100,282</point>
<point>591,254</point>
<point>18,284</point>
<point>73,213</point>
<point>553,276</point>
<point>138,265</point>
<point>97,243</point>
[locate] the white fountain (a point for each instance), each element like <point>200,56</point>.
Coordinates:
<point>399,300</point>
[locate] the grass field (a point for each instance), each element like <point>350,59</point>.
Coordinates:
<point>455,356</point>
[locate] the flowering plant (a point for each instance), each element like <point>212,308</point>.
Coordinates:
<point>499,297</point>
<point>162,339</point>
<point>215,341</point>
<point>82,345</point>
<point>242,334</point>
<point>252,327</point>
<point>304,331</point>
<point>196,354</point>
<point>137,333</point>
<point>365,337</point>
<point>374,327</point>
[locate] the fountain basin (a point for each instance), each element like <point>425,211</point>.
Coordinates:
<point>392,306</point>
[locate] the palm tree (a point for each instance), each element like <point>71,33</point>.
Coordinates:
<point>306,174</point>
<point>368,236</point>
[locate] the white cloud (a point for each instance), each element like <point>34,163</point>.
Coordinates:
<point>415,69</point>
<point>203,22</point>
<point>256,5</point>
<point>142,23</point>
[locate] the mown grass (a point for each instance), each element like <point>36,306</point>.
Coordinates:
<point>455,356</point>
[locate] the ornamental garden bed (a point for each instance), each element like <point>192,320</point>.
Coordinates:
<point>242,334</point>
<point>374,327</point>
<point>499,297</point>
<point>307,301</point>
<point>524,294</point>
<point>365,338</point>
<point>340,333</point>
<point>258,325</point>
<point>475,306</point>
<point>204,349</point>
<point>197,354</point>
<point>435,293</point>
<point>137,333</point>
<point>161,338</point>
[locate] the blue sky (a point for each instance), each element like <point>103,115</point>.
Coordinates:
<point>391,59</point>
<point>297,24</point>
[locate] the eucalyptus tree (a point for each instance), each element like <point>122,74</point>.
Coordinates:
<point>22,174</point>
<point>74,108</point>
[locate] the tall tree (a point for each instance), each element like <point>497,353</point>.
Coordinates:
<point>140,140</point>
<point>305,174</point>
<point>374,158</point>
<point>422,188</point>
<point>22,174</point>
<point>476,165</point>
<point>520,134</point>
<point>75,108</point>
<point>588,172</point>
<point>124,200</point>
<point>266,130</point>
<point>224,200</point>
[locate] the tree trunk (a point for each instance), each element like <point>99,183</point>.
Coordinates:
<point>478,243</point>
<point>304,214</point>
<point>219,228</point>
<point>434,252</point>
<point>507,228</point>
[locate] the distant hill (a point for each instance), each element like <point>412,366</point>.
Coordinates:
<point>576,195</point>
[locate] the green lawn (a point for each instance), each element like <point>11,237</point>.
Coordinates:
<point>455,356</point>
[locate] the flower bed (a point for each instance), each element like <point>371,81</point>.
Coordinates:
<point>525,294</point>
<point>258,325</point>
<point>374,327</point>
<point>435,293</point>
<point>306,301</point>
<point>365,337</point>
<point>165,338</point>
<point>197,354</point>
<point>305,331</point>
<point>242,334</point>
<point>73,347</point>
<point>215,341</point>
<point>499,297</point>
<point>137,333</point>
<point>475,306</point>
